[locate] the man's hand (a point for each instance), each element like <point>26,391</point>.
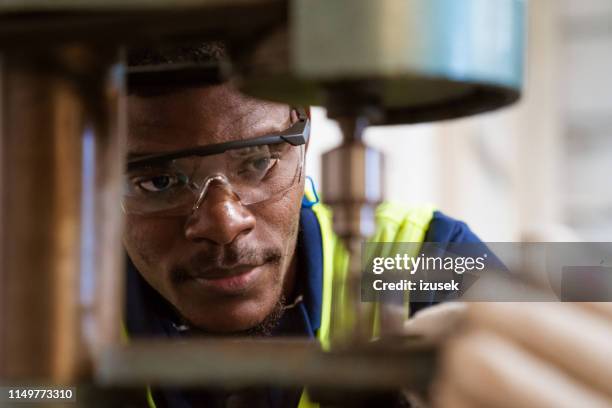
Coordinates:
<point>529,355</point>
<point>436,322</point>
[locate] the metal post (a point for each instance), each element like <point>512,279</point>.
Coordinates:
<point>49,98</point>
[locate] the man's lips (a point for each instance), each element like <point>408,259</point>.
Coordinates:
<point>229,281</point>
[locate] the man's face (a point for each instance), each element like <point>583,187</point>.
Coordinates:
<point>224,267</point>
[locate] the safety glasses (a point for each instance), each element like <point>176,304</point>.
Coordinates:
<point>254,170</point>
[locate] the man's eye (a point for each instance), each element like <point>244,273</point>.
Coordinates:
<point>160,183</point>
<point>263,164</point>
<point>259,165</point>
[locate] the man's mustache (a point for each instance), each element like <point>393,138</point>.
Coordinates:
<point>224,262</point>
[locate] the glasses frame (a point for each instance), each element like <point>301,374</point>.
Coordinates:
<point>297,135</point>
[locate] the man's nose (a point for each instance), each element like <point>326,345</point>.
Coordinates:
<point>220,217</point>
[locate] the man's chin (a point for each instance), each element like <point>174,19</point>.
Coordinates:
<point>237,318</point>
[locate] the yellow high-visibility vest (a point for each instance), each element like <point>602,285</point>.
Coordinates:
<point>394,223</point>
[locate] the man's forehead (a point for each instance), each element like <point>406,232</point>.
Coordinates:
<point>199,116</point>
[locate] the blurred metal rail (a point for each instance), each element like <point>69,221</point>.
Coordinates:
<point>401,364</point>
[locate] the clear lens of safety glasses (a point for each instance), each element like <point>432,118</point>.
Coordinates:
<point>256,170</point>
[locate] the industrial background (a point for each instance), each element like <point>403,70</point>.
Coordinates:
<point>538,170</point>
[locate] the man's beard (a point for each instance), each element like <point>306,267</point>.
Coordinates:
<point>267,325</point>
<point>264,329</point>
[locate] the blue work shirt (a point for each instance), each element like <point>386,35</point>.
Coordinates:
<point>148,314</point>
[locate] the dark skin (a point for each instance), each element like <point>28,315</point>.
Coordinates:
<point>223,237</point>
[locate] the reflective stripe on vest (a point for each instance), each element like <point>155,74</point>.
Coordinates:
<point>394,223</point>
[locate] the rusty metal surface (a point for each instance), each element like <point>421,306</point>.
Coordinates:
<point>37,23</point>
<point>42,122</point>
<point>399,363</point>
<point>48,100</point>
<point>19,6</point>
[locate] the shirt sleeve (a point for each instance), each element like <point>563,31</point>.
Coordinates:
<point>447,232</point>
<point>444,229</point>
